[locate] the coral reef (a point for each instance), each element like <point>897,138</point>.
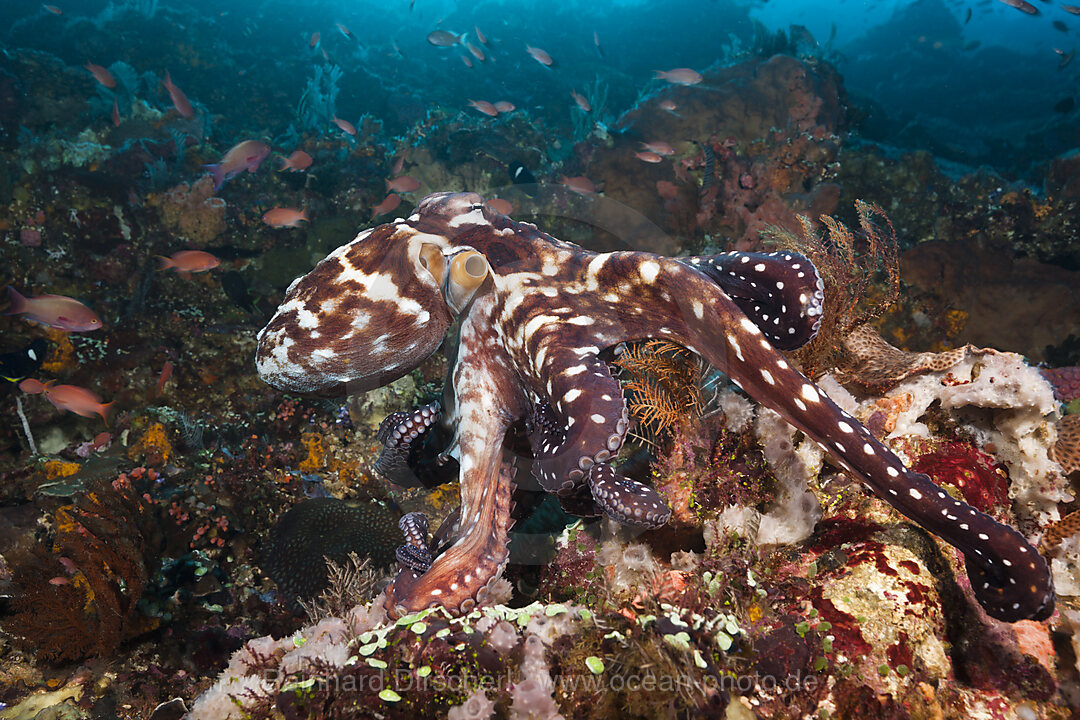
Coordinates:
<point>192,211</point>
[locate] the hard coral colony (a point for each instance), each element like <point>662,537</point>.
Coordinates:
<point>536,313</point>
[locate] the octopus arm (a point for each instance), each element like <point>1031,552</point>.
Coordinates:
<point>1008,576</point>
<point>487,402</point>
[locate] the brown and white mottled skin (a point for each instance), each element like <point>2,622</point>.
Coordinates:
<point>536,313</point>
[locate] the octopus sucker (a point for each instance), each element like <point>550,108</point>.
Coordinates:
<point>536,314</point>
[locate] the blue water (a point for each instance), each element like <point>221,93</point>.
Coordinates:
<point>974,82</point>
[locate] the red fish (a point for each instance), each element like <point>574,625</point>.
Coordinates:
<point>389,204</point>
<point>56,311</point>
<point>296,162</point>
<point>30,386</point>
<point>580,184</point>
<point>247,155</point>
<point>648,156</point>
<point>188,261</point>
<point>476,52</point>
<point>179,99</point>
<point>284,217</point>
<point>658,147</point>
<point>465,59</point>
<point>346,127</point>
<point>480,35</point>
<point>102,75</point>
<point>581,101</point>
<point>505,207</point>
<point>485,107</point>
<point>53,9</point>
<point>345,31</point>
<point>1022,5</point>
<point>166,373</point>
<point>403,184</point>
<point>115,114</point>
<point>399,164</point>
<point>314,41</point>
<point>539,55</point>
<point>504,107</point>
<point>679,76</point>
<point>77,400</point>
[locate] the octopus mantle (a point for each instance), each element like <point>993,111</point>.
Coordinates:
<point>535,315</point>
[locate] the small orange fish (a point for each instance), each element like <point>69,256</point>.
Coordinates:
<point>30,386</point>
<point>284,217</point>
<point>465,59</point>
<point>476,52</point>
<point>480,35</point>
<point>296,162</point>
<point>1022,5</point>
<point>399,164</point>
<point>345,31</point>
<point>58,580</point>
<point>580,184</point>
<point>179,99</point>
<point>668,105</point>
<point>648,156</point>
<point>58,311</point>
<point>347,127</point>
<point>679,76</point>
<point>581,101</point>
<point>504,207</point>
<point>314,41</point>
<point>389,204</point>
<point>102,75</point>
<point>53,9</point>
<point>539,55</point>
<point>245,155</point>
<point>485,107</point>
<point>188,261</point>
<point>504,107</point>
<point>115,113</point>
<point>77,400</point>
<point>166,373</point>
<point>403,184</point>
<point>658,147</point>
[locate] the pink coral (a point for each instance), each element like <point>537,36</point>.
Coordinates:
<point>1066,382</point>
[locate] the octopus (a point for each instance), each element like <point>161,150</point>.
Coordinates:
<point>535,317</point>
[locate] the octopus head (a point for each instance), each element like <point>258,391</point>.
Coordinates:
<point>376,308</point>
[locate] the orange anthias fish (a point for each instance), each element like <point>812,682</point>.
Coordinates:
<point>58,311</point>
<point>179,99</point>
<point>580,184</point>
<point>539,55</point>
<point>53,9</point>
<point>30,386</point>
<point>115,113</point>
<point>389,204</point>
<point>648,156</point>
<point>679,76</point>
<point>314,42</point>
<point>581,101</point>
<point>465,59</point>
<point>658,147</point>
<point>485,107</point>
<point>403,184</point>
<point>188,261</point>
<point>346,127</point>
<point>1022,5</point>
<point>504,107</point>
<point>476,52</point>
<point>102,75</point>
<point>284,217</point>
<point>247,155</point>
<point>296,162</point>
<point>77,400</point>
<point>499,205</point>
<point>480,35</point>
